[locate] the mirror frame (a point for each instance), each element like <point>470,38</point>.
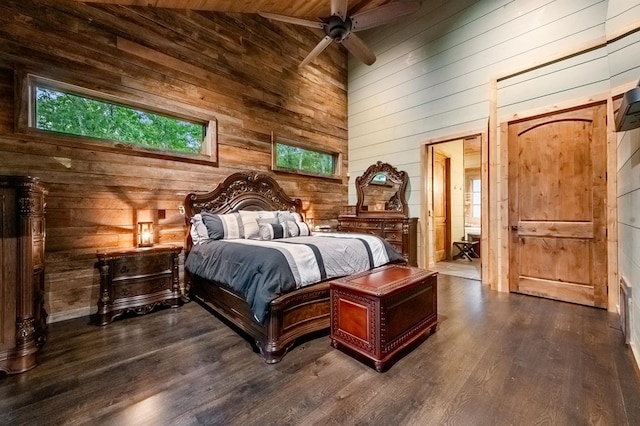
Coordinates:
<point>395,175</point>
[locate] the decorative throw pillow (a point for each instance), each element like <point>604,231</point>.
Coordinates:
<point>297,229</point>
<point>198,230</point>
<point>223,226</point>
<point>249,220</point>
<point>271,231</point>
<point>285,216</point>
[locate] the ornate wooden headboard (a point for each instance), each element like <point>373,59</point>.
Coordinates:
<point>241,191</point>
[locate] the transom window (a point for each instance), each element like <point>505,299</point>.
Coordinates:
<point>63,109</point>
<point>58,111</point>
<point>296,157</point>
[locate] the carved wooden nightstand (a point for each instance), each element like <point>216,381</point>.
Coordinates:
<point>138,280</point>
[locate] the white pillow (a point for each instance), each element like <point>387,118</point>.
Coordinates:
<point>284,216</point>
<point>198,231</point>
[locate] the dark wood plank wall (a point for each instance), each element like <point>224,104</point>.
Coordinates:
<point>240,69</point>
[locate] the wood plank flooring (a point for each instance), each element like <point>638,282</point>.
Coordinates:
<point>460,268</point>
<point>496,359</point>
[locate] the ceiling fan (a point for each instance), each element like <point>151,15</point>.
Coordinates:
<point>340,28</point>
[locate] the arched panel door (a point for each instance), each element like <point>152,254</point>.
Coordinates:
<point>557,210</point>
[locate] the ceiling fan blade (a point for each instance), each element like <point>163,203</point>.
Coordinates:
<point>326,41</point>
<point>356,46</point>
<point>291,20</point>
<point>339,8</point>
<point>383,14</point>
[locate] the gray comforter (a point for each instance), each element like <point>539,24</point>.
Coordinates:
<point>260,271</point>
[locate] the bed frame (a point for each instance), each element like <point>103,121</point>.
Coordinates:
<point>291,316</point>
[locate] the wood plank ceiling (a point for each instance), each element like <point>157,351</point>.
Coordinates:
<point>299,8</point>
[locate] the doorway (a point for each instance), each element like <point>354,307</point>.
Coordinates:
<point>453,207</point>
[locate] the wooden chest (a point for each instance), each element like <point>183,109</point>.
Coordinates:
<point>381,313</point>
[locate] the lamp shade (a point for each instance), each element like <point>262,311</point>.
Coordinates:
<point>145,234</point>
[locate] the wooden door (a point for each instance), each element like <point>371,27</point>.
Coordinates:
<point>441,177</point>
<point>557,217</point>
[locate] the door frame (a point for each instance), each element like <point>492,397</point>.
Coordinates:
<point>427,240</point>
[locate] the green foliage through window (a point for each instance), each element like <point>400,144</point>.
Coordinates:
<point>62,112</point>
<point>293,158</point>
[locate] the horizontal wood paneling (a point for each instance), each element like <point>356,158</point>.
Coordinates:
<point>300,8</point>
<point>622,15</point>
<point>622,55</point>
<point>239,69</point>
<point>432,75</point>
<point>628,199</point>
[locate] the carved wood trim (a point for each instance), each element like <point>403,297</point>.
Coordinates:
<point>397,205</point>
<point>242,191</point>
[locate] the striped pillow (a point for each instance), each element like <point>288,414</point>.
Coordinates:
<point>297,229</point>
<point>271,231</point>
<point>223,226</point>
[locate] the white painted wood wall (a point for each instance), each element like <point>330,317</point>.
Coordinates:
<point>624,63</point>
<point>451,66</point>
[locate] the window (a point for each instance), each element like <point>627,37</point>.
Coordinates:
<point>296,157</point>
<point>475,198</point>
<point>65,110</point>
<point>57,111</point>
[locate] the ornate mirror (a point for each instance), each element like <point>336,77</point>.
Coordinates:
<point>381,191</point>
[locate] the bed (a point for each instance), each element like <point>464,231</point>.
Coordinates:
<point>294,311</point>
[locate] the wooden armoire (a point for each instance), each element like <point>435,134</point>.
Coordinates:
<point>23,327</point>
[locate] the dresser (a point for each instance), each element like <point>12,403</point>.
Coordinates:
<point>23,327</point>
<point>382,210</point>
<point>400,232</point>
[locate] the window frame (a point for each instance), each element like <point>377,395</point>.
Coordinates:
<point>337,158</point>
<point>473,194</point>
<point>27,82</point>
<point>471,174</point>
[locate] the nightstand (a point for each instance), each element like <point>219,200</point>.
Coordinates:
<point>137,280</point>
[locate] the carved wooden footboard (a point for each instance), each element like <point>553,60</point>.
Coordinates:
<point>291,316</point>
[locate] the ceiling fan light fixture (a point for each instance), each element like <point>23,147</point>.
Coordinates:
<point>340,27</point>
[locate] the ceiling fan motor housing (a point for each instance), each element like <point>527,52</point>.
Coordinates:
<point>337,29</point>
<point>341,28</point>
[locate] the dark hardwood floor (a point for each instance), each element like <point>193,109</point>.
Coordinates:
<point>496,359</point>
